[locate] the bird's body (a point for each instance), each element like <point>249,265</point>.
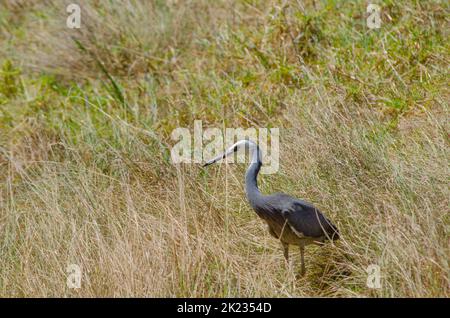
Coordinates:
<point>290,220</point>
<point>294,221</point>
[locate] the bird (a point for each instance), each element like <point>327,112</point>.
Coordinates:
<point>290,220</point>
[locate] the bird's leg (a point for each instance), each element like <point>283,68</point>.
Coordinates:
<point>302,252</point>
<point>286,251</point>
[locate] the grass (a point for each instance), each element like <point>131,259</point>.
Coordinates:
<point>85,123</point>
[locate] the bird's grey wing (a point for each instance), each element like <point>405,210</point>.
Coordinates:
<point>306,220</point>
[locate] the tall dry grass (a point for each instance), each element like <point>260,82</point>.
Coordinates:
<point>87,180</point>
<point>130,38</point>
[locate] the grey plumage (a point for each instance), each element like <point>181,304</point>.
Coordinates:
<point>292,221</point>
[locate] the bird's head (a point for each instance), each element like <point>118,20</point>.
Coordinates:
<point>245,144</point>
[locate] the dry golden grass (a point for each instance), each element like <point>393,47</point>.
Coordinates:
<point>86,177</point>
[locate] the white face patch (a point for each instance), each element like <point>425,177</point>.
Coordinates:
<point>245,144</point>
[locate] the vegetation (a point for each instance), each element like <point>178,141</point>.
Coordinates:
<point>85,122</point>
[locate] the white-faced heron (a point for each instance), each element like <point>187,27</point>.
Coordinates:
<point>290,220</point>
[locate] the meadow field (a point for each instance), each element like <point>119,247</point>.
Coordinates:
<point>86,116</point>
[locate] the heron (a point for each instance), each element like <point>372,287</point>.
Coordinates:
<point>290,220</point>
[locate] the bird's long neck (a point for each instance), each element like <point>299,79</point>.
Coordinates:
<point>251,183</point>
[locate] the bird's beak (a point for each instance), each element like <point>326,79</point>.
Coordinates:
<point>207,163</point>
<point>222,156</point>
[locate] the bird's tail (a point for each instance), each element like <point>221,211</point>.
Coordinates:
<point>333,232</point>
